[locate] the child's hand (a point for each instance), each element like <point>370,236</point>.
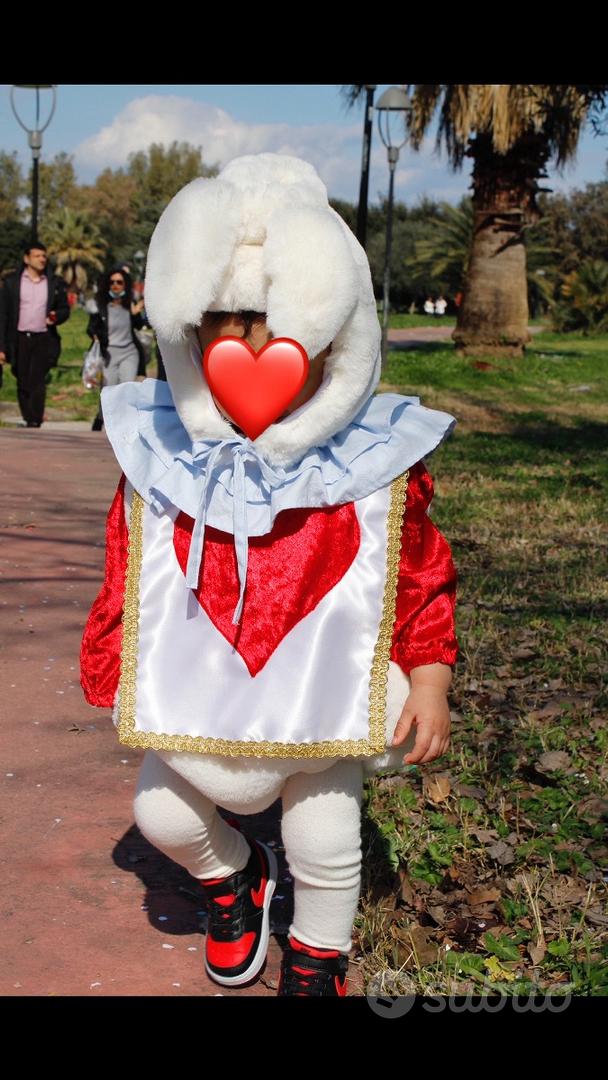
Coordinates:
<point>427,707</point>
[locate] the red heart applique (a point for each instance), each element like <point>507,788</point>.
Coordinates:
<point>290,570</point>
<point>255,388</point>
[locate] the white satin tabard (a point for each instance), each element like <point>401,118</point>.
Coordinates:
<point>321,694</point>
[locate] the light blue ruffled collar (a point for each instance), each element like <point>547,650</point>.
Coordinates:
<point>228,484</point>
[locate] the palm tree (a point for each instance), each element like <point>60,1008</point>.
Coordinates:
<point>76,243</point>
<point>510,132</point>
<point>442,256</point>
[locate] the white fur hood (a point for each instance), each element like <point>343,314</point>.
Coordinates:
<point>262,236</point>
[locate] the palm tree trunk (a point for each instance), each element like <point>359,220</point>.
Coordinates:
<point>493,316</point>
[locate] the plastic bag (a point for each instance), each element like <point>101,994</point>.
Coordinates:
<point>92,369</point>
<point>145,336</point>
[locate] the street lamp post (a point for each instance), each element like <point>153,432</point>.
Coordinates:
<point>394,100</point>
<point>139,259</point>
<point>35,140</point>
<point>364,185</point>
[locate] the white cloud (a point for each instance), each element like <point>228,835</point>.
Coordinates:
<point>163,119</point>
<point>333,148</point>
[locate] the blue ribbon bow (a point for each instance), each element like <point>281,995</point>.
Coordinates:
<point>211,458</point>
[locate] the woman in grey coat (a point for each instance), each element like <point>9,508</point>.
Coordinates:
<point>113,324</point>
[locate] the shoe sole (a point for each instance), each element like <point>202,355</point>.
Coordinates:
<point>257,963</point>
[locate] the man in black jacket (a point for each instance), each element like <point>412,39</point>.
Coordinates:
<point>33,303</point>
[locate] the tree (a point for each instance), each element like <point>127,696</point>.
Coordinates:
<point>510,132</point>
<point>12,187</point>
<point>585,299</point>
<point>56,188</point>
<point>126,202</point>
<point>77,245</point>
<point>158,173</point>
<point>575,225</point>
<point>441,257</point>
<point>109,202</point>
<point>14,235</point>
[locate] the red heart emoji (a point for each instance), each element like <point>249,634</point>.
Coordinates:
<point>255,388</point>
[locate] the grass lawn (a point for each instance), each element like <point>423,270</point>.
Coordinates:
<point>485,871</point>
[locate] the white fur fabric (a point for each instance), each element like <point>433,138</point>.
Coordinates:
<point>262,236</point>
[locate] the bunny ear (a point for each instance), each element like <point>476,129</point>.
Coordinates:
<point>320,291</point>
<point>189,252</point>
<point>313,283</point>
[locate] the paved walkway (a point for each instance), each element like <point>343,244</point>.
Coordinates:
<point>90,908</point>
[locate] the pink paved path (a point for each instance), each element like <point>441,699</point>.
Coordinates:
<point>89,907</point>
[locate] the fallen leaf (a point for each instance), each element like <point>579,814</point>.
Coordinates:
<point>437,914</point>
<point>483,896</point>
<point>554,759</point>
<point>536,954</point>
<point>468,791</point>
<point>426,952</point>
<point>502,853</point>
<point>436,787</point>
<point>485,836</point>
<point>547,713</point>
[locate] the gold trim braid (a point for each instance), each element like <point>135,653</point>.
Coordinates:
<point>379,674</point>
<point>376,743</point>
<point>130,624</point>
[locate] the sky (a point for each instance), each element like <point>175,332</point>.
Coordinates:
<point>101,124</point>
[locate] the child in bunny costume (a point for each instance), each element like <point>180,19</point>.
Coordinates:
<point>277,616</point>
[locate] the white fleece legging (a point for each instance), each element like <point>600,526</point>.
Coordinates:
<point>321,829</point>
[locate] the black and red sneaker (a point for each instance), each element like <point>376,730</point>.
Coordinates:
<point>238,926</point>
<point>310,972</point>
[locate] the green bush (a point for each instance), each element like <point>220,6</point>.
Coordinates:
<point>584,306</point>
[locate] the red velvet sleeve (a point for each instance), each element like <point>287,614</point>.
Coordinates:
<point>102,638</point>
<point>424,631</point>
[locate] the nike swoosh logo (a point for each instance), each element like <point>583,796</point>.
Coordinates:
<point>257,895</point>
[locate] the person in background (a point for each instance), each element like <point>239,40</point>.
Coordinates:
<point>113,325</point>
<point>440,306</point>
<point>33,303</point>
<point>429,306</point>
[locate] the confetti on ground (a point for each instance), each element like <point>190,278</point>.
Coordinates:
<point>167,946</point>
